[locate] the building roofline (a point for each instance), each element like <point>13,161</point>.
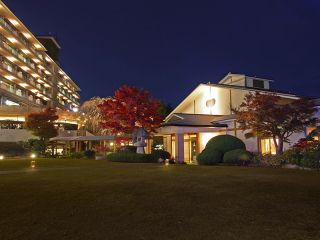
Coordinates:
<point>54,40</point>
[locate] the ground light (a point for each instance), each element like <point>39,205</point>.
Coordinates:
<point>1,157</point>
<point>166,162</point>
<point>33,155</point>
<point>33,164</point>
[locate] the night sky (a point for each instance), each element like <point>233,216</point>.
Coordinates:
<point>169,47</point>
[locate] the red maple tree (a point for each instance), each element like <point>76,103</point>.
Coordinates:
<point>269,115</point>
<point>130,108</point>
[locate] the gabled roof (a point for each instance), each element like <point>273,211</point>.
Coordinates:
<point>194,120</point>
<point>201,86</point>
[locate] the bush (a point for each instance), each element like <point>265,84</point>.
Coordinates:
<point>131,157</point>
<point>238,156</point>
<point>89,154</point>
<point>272,160</point>
<point>35,145</point>
<point>128,148</point>
<point>157,154</point>
<point>73,155</point>
<point>12,149</point>
<point>209,157</point>
<point>292,156</point>
<point>310,159</point>
<point>225,143</point>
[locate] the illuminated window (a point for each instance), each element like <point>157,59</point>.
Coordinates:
<point>267,146</point>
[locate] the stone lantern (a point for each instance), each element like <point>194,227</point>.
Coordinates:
<point>138,137</point>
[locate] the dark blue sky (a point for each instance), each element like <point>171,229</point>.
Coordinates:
<point>169,47</point>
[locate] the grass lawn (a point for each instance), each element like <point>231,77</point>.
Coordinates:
<point>87,199</point>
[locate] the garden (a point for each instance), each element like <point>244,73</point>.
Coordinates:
<point>85,199</point>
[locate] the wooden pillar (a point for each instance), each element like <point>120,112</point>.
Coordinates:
<point>179,147</point>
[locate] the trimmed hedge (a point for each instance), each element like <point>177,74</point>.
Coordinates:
<point>127,148</point>
<point>12,149</point>
<point>161,154</point>
<point>310,160</point>
<point>209,157</point>
<point>225,143</point>
<point>129,157</point>
<point>238,156</point>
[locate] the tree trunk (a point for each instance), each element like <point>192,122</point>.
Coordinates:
<point>279,149</point>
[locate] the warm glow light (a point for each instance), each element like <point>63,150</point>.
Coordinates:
<point>24,85</point>
<point>25,68</point>
<point>10,103</point>
<point>34,90</point>
<point>9,77</point>
<point>40,66</point>
<point>48,59</point>
<point>25,51</point>
<point>1,157</point>
<point>111,144</point>
<point>205,137</point>
<point>75,109</point>
<point>166,162</point>
<point>40,81</point>
<point>27,35</point>
<point>13,40</point>
<point>33,162</point>
<point>14,22</point>
<point>37,45</point>
<point>46,85</point>
<point>12,59</point>
<point>36,60</point>
<point>35,75</point>
<point>47,72</point>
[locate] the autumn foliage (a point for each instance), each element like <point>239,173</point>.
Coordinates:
<point>268,115</point>
<point>41,124</point>
<point>130,108</point>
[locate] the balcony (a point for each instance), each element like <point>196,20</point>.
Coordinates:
<point>26,79</point>
<point>7,25</point>
<point>24,43</point>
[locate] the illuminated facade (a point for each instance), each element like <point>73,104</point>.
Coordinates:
<point>207,112</point>
<point>30,75</point>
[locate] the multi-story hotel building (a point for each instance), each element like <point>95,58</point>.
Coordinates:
<point>30,75</point>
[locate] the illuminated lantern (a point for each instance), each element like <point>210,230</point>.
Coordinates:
<point>210,103</point>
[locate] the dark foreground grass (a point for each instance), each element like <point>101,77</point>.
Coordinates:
<point>83,199</point>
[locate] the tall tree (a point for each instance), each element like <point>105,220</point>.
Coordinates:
<point>91,116</point>
<point>130,108</point>
<point>41,124</point>
<point>268,115</point>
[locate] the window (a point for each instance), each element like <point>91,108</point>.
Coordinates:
<point>257,83</point>
<point>267,146</point>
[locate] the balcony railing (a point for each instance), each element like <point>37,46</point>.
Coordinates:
<point>12,29</point>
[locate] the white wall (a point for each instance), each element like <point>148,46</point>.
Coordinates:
<point>222,98</point>
<point>15,135</point>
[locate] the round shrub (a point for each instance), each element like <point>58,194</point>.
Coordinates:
<point>237,156</point>
<point>209,157</point>
<point>225,143</point>
<point>157,154</point>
